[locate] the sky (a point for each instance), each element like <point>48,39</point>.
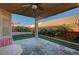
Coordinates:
<point>24,20</point>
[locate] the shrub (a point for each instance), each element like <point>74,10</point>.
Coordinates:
<point>52,32</point>
<point>48,32</point>
<point>74,38</point>
<point>43,31</point>
<point>22,29</point>
<point>63,29</point>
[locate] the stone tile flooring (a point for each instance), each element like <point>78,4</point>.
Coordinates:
<point>40,46</point>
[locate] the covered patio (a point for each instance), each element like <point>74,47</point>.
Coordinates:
<point>38,11</point>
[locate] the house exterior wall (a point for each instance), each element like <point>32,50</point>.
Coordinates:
<point>5,28</point>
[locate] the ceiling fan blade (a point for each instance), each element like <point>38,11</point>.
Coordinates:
<point>38,6</point>
<point>26,5</point>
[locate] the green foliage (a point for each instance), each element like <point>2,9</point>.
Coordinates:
<point>63,28</point>
<point>55,31</point>
<point>52,32</point>
<point>43,31</point>
<point>49,32</point>
<point>22,29</point>
<point>74,38</point>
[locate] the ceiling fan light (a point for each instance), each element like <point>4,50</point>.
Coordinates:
<point>34,7</point>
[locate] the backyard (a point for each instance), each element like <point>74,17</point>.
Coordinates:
<point>63,32</point>
<point>48,38</point>
<point>62,35</point>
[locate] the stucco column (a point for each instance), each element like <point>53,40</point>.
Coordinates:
<point>36,27</point>
<point>5,28</point>
<point>35,13</point>
<point>6,42</point>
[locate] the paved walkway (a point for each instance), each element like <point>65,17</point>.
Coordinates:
<point>40,46</point>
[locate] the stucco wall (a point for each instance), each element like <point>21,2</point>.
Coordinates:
<point>5,28</point>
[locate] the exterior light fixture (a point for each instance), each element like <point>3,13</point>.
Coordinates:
<point>34,7</point>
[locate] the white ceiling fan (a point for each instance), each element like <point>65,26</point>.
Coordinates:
<point>33,6</point>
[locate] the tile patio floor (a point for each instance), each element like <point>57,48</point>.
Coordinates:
<point>40,46</point>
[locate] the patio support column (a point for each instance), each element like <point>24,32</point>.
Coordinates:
<point>36,27</point>
<point>35,13</point>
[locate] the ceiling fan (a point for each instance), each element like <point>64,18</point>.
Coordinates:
<point>33,6</point>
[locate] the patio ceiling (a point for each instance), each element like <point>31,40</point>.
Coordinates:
<point>44,9</point>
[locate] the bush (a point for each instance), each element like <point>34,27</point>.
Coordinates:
<point>22,29</point>
<point>74,38</point>
<point>48,32</point>
<point>55,31</point>
<point>64,29</point>
<point>43,31</point>
<point>52,32</point>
